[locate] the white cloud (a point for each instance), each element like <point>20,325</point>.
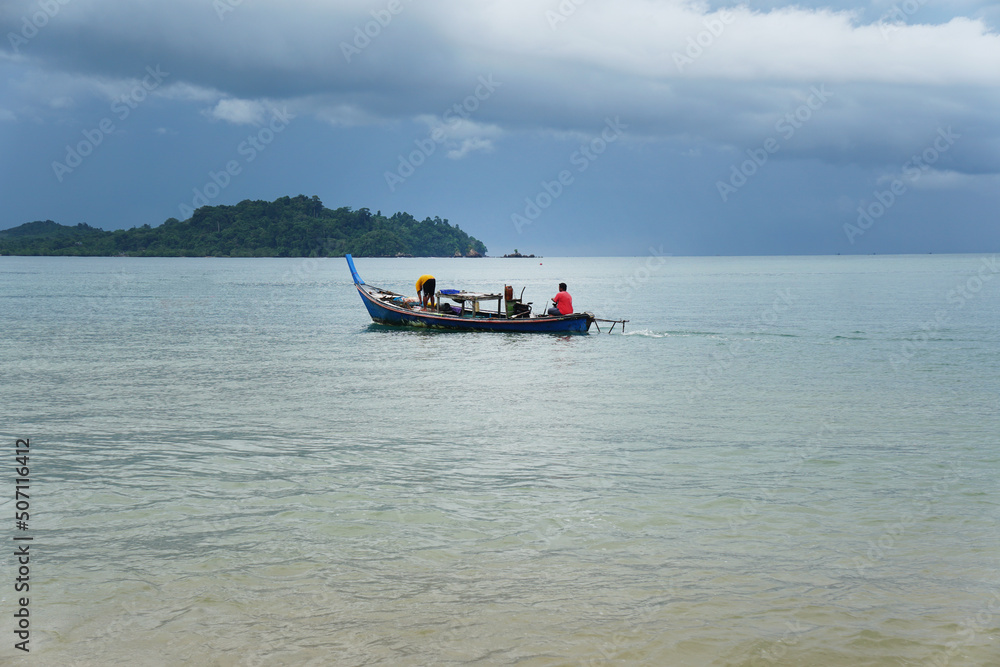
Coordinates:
<point>455,128</point>
<point>953,180</point>
<point>185,91</point>
<point>647,39</point>
<point>6,114</point>
<point>239,112</point>
<point>471,146</point>
<point>338,114</point>
<point>461,136</point>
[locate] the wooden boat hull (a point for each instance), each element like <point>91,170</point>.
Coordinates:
<point>383,312</point>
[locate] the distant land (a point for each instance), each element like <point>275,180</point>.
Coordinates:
<point>287,227</point>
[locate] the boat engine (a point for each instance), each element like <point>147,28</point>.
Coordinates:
<point>515,307</point>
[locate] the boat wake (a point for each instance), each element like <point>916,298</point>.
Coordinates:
<point>646,333</point>
<point>649,333</point>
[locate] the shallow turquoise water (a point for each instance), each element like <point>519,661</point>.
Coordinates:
<point>786,461</point>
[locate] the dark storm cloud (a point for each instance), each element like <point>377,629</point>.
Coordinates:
<point>844,94</point>
<point>674,69</point>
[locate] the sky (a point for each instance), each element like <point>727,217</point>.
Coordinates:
<point>556,127</point>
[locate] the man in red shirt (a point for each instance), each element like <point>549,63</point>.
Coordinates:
<point>563,301</point>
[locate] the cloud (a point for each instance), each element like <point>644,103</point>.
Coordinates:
<point>453,127</point>
<point>275,51</point>
<point>952,180</point>
<point>7,115</point>
<point>239,112</point>
<point>470,146</point>
<point>461,136</point>
<point>62,102</point>
<point>337,113</point>
<point>673,70</point>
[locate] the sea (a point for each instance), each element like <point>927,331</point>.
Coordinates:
<point>778,461</point>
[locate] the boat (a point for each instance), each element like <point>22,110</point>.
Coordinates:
<point>469,314</point>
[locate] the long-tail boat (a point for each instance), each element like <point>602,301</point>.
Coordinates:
<point>512,315</point>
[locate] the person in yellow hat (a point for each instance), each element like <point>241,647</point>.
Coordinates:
<point>425,290</point>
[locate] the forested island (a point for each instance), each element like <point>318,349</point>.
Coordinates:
<point>287,227</point>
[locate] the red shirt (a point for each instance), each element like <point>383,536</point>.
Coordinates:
<point>564,302</point>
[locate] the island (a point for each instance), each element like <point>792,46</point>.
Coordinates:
<point>287,227</point>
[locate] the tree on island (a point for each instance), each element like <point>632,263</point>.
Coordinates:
<point>287,227</point>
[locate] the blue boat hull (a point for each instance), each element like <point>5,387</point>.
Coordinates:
<point>387,313</point>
